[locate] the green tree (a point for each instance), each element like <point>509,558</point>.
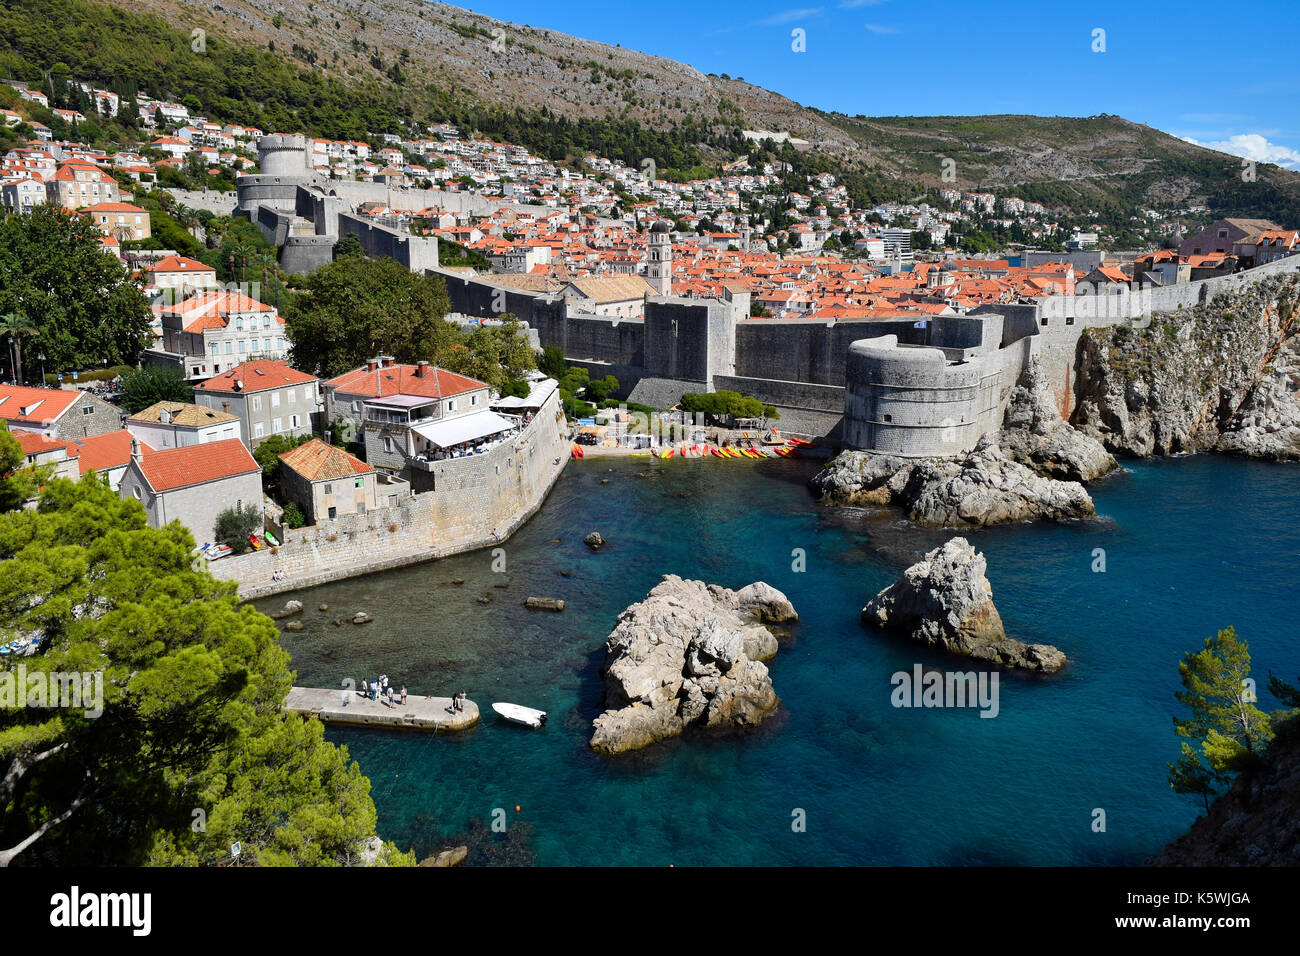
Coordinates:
<point>1230,730</point>
<point>355,309</point>
<point>552,362</point>
<point>85,306</point>
<point>267,454</point>
<point>14,326</point>
<point>349,247</point>
<point>19,482</point>
<point>144,386</point>
<point>190,716</point>
<point>234,525</point>
<point>293,516</point>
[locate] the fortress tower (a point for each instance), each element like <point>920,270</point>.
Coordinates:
<point>659,267</point>
<point>281,155</point>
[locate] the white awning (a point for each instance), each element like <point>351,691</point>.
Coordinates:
<point>477,425</point>
<point>536,398</point>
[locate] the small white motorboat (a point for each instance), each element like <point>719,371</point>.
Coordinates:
<point>521,715</point>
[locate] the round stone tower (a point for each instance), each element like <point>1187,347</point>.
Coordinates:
<point>659,264</point>
<point>283,155</point>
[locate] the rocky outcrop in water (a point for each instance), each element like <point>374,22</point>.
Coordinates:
<point>984,487</point>
<point>689,655</point>
<point>1222,376</point>
<point>944,600</point>
<point>1257,822</point>
<point>1034,434</point>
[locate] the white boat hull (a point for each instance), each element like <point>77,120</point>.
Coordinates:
<point>521,715</point>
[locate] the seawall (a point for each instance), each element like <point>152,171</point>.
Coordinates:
<point>472,498</point>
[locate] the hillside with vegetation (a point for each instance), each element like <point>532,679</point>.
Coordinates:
<point>348,68</point>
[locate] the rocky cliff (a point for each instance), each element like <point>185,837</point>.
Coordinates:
<point>1257,822</point>
<point>689,655</point>
<point>984,487</point>
<point>1223,376</point>
<point>945,601</point>
<point>1034,434</point>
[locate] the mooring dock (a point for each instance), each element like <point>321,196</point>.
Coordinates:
<point>418,713</point>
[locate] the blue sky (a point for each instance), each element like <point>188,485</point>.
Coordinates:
<point>1224,76</point>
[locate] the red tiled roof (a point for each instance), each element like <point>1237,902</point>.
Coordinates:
<point>317,461</point>
<point>37,406</point>
<point>256,376</point>
<point>34,443</point>
<point>403,380</point>
<point>196,464</point>
<point>180,264</point>
<point>102,452</point>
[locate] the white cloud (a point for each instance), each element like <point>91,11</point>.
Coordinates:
<point>877,28</point>
<point>1256,147</point>
<point>854,4</point>
<point>789,16</point>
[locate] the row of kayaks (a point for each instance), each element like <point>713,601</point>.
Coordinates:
<point>791,449</point>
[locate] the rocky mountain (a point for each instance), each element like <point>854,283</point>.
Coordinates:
<point>439,54</point>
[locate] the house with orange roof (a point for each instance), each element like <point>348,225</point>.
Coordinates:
<point>266,395</point>
<point>58,413</point>
<point>44,451</point>
<point>192,484</point>
<point>77,184</point>
<point>180,274</point>
<point>212,330</point>
<point>121,220</point>
<point>407,415</point>
<point>327,482</point>
<point>1274,244</point>
<point>107,455</point>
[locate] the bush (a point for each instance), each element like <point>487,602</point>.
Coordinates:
<point>234,525</point>
<point>293,516</point>
<point>98,375</point>
<point>144,386</point>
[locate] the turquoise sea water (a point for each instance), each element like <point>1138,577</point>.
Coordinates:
<point>1191,545</point>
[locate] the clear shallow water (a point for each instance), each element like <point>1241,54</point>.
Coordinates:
<point>1192,545</point>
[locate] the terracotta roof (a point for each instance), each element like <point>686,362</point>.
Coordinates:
<point>317,461</point>
<point>183,414</point>
<point>175,468</point>
<point>111,450</point>
<point>403,380</point>
<point>180,264</point>
<point>256,376</point>
<point>36,406</point>
<point>34,443</point>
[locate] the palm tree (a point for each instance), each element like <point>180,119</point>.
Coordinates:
<point>15,325</point>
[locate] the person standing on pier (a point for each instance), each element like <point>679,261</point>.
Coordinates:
<point>403,695</point>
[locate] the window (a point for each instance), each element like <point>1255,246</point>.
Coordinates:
<point>227,350</point>
<point>359,483</point>
<point>473,399</point>
<point>293,421</point>
<point>257,403</point>
<point>1044,321</point>
<point>329,488</point>
<point>451,406</point>
<point>275,399</point>
<point>266,320</point>
<point>333,512</point>
<point>257,430</point>
<point>216,349</point>
<point>87,409</point>
<point>242,343</point>
<point>1069,320</point>
<point>388,444</point>
<point>275,425</point>
<point>293,397</point>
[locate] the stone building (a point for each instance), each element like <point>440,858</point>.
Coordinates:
<point>659,259</point>
<point>268,397</point>
<point>193,484</point>
<point>177,424</point>
<point>58,413</point>
<point>327,482</point>
<point>405,415</point>
<point>212,330</point>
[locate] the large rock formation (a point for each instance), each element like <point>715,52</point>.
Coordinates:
<point>1257,822</point>
<point>984,487</point>
<point>945,601</point>
<point>1034,434</point>
<point>689,655</point>
<point>1223,376</point>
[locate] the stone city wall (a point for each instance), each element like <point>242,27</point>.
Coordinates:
<point>472,497</point>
